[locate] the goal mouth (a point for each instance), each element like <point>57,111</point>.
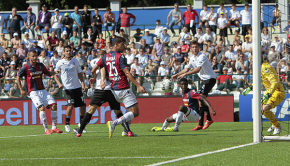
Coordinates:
<point>277,138</point>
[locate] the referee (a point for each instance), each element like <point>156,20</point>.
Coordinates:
<point>200,64</point>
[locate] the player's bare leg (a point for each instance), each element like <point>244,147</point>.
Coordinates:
<point>54,119</point>
<point>43,120</point>
<point>271,117</point>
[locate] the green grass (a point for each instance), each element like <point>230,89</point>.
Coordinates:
<point>160,146</point>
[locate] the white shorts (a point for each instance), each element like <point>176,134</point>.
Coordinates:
<point>125,96</point>
<point>41,97</point>
<point>191,115</point>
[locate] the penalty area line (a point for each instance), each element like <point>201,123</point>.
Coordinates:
<point>201,154</point>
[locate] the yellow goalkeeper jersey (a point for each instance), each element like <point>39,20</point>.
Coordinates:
<point>270,79</point>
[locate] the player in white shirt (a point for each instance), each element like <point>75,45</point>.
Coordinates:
<point>222,25</point>
<point>234,17</point>
<point>246,16</point>
<point>212,20</point>
<point>72,81</point>
<point>199,64</point>
<point>101,95</point>
<point>204,17</point>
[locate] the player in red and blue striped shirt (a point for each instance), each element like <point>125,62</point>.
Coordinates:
<point>117,70</point>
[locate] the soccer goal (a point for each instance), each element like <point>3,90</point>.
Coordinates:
<point>260,124</point>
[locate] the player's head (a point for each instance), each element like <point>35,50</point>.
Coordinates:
<point>194,47</point>
<point>67,52</point>
<point>33,56</point>
<point>183,84</point>
<point>119,44</point>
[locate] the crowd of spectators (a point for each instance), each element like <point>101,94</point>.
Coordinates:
<point>154,53</point>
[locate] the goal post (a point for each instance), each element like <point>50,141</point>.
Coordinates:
<point>256,102</point>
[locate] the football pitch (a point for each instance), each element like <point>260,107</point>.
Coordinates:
<point>26,145</point>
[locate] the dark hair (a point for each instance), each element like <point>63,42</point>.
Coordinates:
<point>97,9</point>
<point>67,47</point>
<point>158,20</point>
<point>246,4</point>
<point>118,40</point>
<point>176,4</point>
<point>85,5</point>
<point>194,43</point>
<point>234,4</point>
<point>33,51</point>
<point>183,80</point>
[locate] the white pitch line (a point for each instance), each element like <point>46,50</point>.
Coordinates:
<point>87,158</point>
<point>202,154</point>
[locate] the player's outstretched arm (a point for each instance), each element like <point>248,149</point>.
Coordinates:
<point>194,71</point>
<point>103,78</point>
<point>205,101</point>
<point>131,78</point>
<point>81,78</point>
<point>180,73</point>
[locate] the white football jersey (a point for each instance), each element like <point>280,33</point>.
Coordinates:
<point>98,79</point>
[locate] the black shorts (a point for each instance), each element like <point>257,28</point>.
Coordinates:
<point>245,29</point>
<point>207,85</point>
<point>203,22</point>
<point>224,32</point>
<point>75,97</point>
<point>42,25</point>
<point>213,28</point>
<point>276,20</point>
<point>233,23</point>
<point>101,96</point>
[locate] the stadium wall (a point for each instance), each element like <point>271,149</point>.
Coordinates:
<point>152,110</point>
<point>282,111</point>
<point>146,16</point>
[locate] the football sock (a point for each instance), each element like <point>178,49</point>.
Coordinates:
<point>208,116</point>
<point>53,119</point>
<point>81,118</point>
<point>125,118</point>
<point>67,120</point>
<point>125,124</point>
<point>201,119</point>
<point>178,118</point>
<point>271,117</point>
<point>165,124</point>
<point>43,120</point>
<point>85,121</point>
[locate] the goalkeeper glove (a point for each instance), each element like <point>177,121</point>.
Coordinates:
<point>247,90</point>
<point>266,97</point>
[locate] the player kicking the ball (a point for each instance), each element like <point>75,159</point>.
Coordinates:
<point>102,94</point>
<point>117,70</point>
<point>33,72</point>
<point>187,111</point>
<point>273,96</point>
<point>73,83</point>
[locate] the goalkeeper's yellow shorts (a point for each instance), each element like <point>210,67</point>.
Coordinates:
<point>276,99</point>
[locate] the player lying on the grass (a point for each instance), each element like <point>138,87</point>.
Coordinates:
<point>102,94</point>
<point>187,111</point>
<point>33,73</point>
<point>73,83</point>
<point>273,96</point>
<point>118,72</point>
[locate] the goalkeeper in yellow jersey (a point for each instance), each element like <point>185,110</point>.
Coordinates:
<point>273,96</point>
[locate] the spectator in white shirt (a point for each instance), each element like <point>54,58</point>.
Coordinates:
<point>246,16</point>
<point>231,56</point>
<point>222,9</point>
<point>184,36</point>
<point>222,24</point>
<point>129,56</point>
<point>27,41</point>
<point>158,28</point>
<point>163,70</point>
<point>212,20</point>
<point>138,69</point>
<point>209,35</point>
<point>247,48</point>
<point>265,36</point>
<point>277,43</point>
<point>204,17</point>
<point>142,58</point>
<point>199,33</point>
<point>234,18</point>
